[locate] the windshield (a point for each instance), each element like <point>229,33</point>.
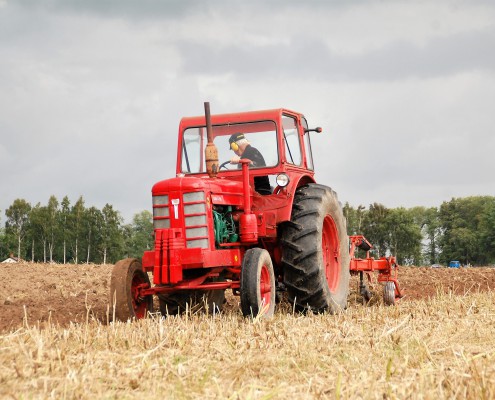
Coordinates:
<point>260,135</point>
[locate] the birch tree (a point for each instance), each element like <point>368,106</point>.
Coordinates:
<point>17,221</point>
<point>110,233</point>
<point>76,219</point>
<point>64,220</point>
<point>52,224</point>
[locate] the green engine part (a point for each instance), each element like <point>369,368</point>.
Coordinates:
<point>225,231</point>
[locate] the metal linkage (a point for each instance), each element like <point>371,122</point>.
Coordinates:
<point>386,267</point>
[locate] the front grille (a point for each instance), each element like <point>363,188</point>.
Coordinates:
<point>161,212</point>
<point>195,220</point>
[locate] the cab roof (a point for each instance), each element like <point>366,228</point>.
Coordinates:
<point>235,118</point>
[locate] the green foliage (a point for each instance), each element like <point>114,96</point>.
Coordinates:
<point>139,234</point>
<point>391,231</point>
<point>468,230</point>
<point>404,236</point>
<point>112,235</point>
<point>432,231</point>
<point>64,232</point>
<point>487,232</point>
<point>377,228</point>
<point>3,246</point>
<point>17,224</point>
<point>461,229</point>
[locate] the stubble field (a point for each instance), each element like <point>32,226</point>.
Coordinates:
<point>437,342</point>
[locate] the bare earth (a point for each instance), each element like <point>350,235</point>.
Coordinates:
<point>35,294</point>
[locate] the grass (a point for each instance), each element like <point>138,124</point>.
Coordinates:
<point>442,348</point>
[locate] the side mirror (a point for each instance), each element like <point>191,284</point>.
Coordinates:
<point>318,129</point>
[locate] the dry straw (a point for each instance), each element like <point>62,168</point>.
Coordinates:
<point>442,348</point>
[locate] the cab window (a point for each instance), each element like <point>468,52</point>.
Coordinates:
<point>261,135</point>
<point>291,140</point>
<point>307,146</point>
<point>193,143</point>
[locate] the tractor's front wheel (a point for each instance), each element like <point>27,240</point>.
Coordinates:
<point>128,277</point>
<point>257,284</point>
<point>315,251</point>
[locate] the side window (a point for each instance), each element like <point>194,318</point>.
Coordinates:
<point>291,140</point>
<point>307,146</point>
<point>193,144</point>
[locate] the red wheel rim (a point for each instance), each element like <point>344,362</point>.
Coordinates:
<point>265,287</point>
<point>331,253</point>
<point>140,305</point>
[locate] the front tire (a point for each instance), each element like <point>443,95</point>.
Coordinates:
<point>127,278</point>
<point>315,251</point>
<point>257,284</point>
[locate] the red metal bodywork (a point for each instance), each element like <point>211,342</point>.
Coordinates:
<point>177,265</point>
<point>186,255</point>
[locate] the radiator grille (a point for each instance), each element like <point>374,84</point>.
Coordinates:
<point>161,212</point>
<point>195,220</point>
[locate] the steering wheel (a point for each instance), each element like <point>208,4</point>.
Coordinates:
<point>223,165</point>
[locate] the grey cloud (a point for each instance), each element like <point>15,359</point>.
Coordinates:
<point>91,100</point>
<point>440,56</point>
<point>114,8</point>
<point>152,9</point>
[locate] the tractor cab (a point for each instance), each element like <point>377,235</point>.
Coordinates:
<point>280,135</point>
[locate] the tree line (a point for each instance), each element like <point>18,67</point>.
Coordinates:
<point>460,229</point>
<point>72,233</point>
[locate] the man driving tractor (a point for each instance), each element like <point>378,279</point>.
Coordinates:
<point>243,149</point>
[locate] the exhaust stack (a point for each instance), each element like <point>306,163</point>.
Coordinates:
<point>211,151</point>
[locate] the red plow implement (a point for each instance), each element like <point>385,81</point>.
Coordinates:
<point>386,267</point>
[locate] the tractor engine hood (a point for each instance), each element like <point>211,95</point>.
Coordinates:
<point>223,191</point>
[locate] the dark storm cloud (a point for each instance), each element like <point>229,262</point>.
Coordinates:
<point>312,58</point>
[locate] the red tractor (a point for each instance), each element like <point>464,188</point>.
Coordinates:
<point>214,229</point>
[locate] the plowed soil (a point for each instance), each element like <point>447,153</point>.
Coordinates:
<point>35,294</point>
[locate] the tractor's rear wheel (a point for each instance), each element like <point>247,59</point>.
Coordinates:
<point>128,277</point>
<point>315,251</point>
<point>257,284</point>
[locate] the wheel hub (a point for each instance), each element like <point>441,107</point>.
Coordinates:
<point>265,285</point>
<point>331,253</point>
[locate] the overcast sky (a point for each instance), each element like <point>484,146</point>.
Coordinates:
<point>92,92</point>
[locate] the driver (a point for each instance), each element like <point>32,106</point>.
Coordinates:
<point>243,149</point>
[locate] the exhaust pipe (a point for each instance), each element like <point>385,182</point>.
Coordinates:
<point>211,151</point>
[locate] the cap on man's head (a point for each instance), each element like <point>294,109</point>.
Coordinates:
<point>235,137</point>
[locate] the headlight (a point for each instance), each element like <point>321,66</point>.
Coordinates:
<point>282,180</point>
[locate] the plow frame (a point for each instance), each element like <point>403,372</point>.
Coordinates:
<point>386,267</point>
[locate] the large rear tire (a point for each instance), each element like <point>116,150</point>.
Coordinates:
<point>127,278</point>
<point>315,251</point>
